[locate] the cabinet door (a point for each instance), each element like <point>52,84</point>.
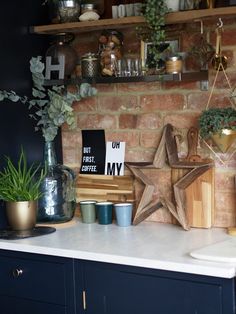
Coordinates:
<point>18,306</point>
<point>33,281</point>
<point>111,290</point>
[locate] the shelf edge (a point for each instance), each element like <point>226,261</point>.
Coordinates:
<point>171,18</point>
<point>187,76</point>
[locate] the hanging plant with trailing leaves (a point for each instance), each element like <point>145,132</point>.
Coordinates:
<point>154,12</point>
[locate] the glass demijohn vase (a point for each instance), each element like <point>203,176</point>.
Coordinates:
<point>58,202</point>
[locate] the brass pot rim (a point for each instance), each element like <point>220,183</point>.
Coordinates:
<point>225,132</point>
<point>22,201</point>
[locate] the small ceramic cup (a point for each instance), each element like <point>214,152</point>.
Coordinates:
<point>104,212</point>
<point>88,211</point>
<point>123,212</point>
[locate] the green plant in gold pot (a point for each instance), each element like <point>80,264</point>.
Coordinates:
<point>20,189</point>
<point>219,124</point>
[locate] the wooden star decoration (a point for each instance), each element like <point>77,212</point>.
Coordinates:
<point>166,149</point>
<point>146,205</point>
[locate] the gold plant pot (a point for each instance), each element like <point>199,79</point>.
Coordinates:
<point>225,140</point>
<point>21,215</point>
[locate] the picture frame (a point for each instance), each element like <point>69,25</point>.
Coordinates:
<point>170,46</point>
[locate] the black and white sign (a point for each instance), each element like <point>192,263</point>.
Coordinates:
<point>93,152</point>
<point>115,157</point>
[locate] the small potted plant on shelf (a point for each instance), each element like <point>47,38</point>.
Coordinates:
<point>20,189</point>
<point>219,124</point>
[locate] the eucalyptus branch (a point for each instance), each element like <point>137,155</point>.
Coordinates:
<point>51,107</point>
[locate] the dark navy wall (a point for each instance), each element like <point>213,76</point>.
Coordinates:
<point>17,46</point>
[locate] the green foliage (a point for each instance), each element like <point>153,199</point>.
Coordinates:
<point>20,183</point>
<point>51,107</point>
<point>154,12</point>
<point>214,120</point>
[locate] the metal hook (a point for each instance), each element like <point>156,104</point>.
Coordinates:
<point>201,23</point>
<point>220,23</point>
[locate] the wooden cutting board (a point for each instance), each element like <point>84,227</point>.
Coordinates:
<point>199,194</point>
<point>200,200</point>
<point>105,188</point>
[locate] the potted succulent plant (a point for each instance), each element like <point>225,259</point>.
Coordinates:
<point>20,189</point>
<point>219,124</point>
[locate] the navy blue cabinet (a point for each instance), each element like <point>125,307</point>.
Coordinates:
<point>10,305</point>
<point>113,289</point>
<point>36,284</point>
<point>40,284</point>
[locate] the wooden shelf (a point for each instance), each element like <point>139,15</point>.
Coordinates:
<point>133,21</point>
<point>187,76</point>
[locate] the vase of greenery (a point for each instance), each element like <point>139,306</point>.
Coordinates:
<point>219,124</point>
<point>20,189</point>
<point>52,107</point>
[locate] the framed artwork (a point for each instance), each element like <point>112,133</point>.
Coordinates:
<point>166,48</point>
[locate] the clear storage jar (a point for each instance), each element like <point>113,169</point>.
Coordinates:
<point>68,10</point>
<point>110,46</point>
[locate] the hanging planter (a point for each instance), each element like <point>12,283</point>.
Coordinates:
<point>219,124</point>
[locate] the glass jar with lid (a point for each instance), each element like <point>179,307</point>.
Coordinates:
<point>98,5</point>
<point>68,10</point>
<point>90,66</point>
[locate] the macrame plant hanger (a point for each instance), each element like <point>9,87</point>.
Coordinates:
<point>220,63</point>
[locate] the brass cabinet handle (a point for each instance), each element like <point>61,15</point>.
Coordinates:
<point>17,272</point>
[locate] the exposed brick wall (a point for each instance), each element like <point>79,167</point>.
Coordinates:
<point>136,113</point>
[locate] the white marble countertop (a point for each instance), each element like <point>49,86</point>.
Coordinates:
<point>151,245</point>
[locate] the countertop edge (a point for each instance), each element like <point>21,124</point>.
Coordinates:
<point>207,268</point>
